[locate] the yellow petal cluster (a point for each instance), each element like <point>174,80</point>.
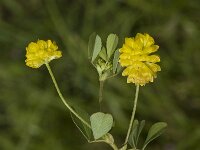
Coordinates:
<point>41,52</point>
<point>141,67</point>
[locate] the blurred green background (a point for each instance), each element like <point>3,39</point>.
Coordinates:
<point>32,116</point>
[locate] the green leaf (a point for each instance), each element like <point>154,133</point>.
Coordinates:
<point>115,60</point>
<point>103,54</point>
<point>156,130</point>
<point>139,130</point>
<point>135,133</point>
<point>119,68</point>
<point>97,47</point>
<point>101,124</point>
<point>132,136</point>
<point>140,127</point>
<point>111,44</point>
<point>85,130</point>
<point>91,44</point>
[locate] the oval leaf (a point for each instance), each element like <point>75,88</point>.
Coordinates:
<point>97,47</point>
<point>115,60</point>
<point>111,44</point>
<point>140,128</point>
<point>101,124</point>
<point>135,133</point>
<point>132,136</point>
<point>91,44</point>
<point>155,131</point>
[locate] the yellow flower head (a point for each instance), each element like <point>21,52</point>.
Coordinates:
<point>41,52</point>
<point>141,67</point>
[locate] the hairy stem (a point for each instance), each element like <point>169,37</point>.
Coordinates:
<point>133,115</point>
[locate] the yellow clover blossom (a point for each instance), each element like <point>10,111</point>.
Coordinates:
<point>41,52</point>
<point>141,67</point>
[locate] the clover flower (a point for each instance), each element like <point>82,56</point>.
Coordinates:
<point>41,52</point>
<point>141,67</point>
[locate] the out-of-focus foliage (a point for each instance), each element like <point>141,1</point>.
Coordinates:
<point>32,116</point>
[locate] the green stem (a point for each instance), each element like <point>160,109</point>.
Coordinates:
<point>114,147</point>
<point>62,98</point>
<point>133,114</point>
<point>101,83</point>
<point>69,107</point>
